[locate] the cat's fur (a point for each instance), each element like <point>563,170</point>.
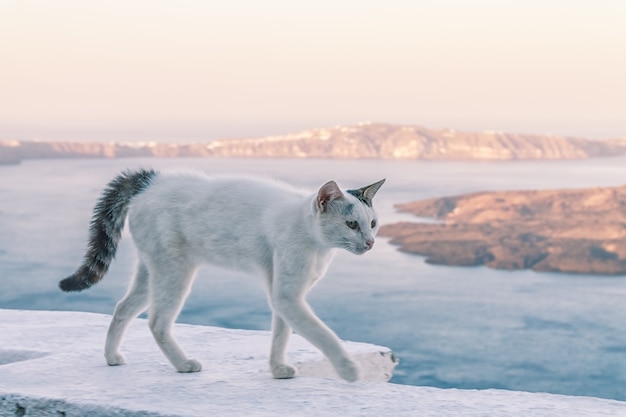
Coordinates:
<point>182,220</point>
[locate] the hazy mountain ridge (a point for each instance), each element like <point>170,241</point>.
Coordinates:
<point>375,141</point>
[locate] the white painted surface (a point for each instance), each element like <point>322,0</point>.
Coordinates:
<point>51,364</point>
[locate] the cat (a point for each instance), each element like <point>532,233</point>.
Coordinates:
<point>179,221</point>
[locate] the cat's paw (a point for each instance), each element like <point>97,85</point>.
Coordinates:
<point>349,370</point>
<point>115,359</point>
<point>190,365</point>
<point>283,371</point>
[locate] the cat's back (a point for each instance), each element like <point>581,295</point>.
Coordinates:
<point>227,192</point>
<point>225,220</point>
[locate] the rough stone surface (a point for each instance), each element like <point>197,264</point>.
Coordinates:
<point>52,366</point>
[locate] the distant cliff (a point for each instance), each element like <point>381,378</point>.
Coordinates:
<point>573,231</point>
<point>375,141</point>
<point>384,141</point>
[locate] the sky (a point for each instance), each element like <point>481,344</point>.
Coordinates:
<point>192,70</point>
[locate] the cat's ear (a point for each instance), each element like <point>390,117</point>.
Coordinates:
<point>367,193</point>
<point>329,192</point>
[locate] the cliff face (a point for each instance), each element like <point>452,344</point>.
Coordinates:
<point>8,154</point>
<point>379,141</point>
<point>384,141</point>
<point>575,231</point>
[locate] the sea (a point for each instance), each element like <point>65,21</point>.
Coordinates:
<point>450,327</point>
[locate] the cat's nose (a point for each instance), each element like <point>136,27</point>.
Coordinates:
<point>369,243</point>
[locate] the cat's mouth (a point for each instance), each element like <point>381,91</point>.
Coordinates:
<point>355,248</point>
<point>360,250</point>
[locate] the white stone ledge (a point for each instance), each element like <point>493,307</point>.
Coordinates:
<point>51,364</point>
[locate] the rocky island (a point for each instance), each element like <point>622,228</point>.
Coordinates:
<point>365,140</point>
<point>571,231</point>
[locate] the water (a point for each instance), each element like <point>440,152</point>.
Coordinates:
<point>451,327</point>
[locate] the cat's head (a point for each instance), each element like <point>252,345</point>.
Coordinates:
<point>347,220</point>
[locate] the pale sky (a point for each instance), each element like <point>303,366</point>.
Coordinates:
<point>199,70</point>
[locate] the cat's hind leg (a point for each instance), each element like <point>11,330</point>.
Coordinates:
<point>134,302</point>
<point>278,361</point>
<point>170,286</point>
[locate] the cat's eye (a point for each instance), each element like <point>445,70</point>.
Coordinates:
<point>373,223</point>
<point>352,224</point>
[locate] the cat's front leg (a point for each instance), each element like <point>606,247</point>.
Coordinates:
<point>278,361</point>
<point>308,325</point>
<point>288,302</point>
<point>348,369</point>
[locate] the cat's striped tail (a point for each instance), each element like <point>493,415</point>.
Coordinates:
<point>105,230</point>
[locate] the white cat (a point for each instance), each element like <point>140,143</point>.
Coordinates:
<point>180,221</point>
